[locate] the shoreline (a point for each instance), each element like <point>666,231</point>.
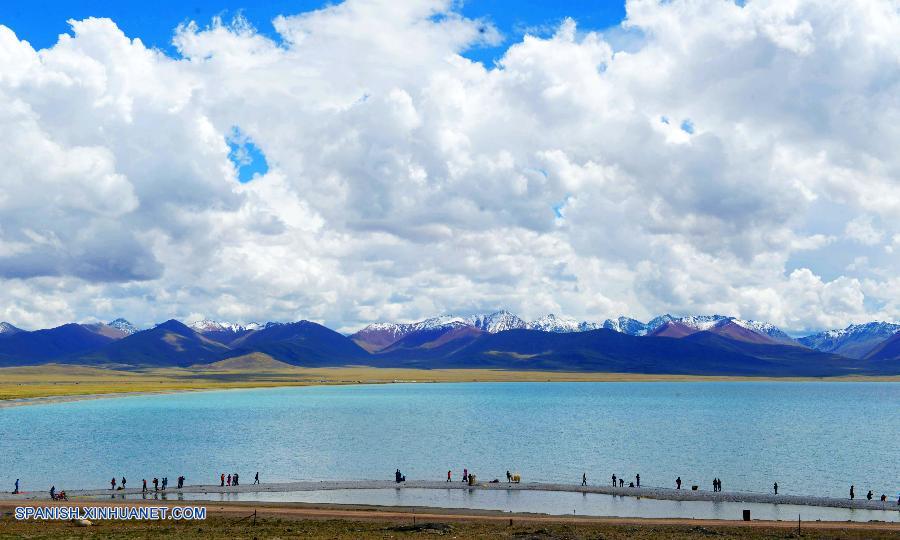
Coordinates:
<point>486,376</point>
<point>649,492</point>
<point>412,514</point>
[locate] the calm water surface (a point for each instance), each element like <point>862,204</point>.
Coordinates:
<point>813,438</point>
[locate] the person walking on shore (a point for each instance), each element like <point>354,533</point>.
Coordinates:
<point>465,475</point>
<point>715,485</point>
<point>637,477</point>
<point>123,482</point>
<point>450,476</point>
<point>621,482</point>
<point>222,478</point>
<point>508,477</point>
<point>112,483</point>
<point>869,495</point>
<point>144,489</point>
<point>584,479</point>
<point>228,480</point>
<point>16,491</point>
<point>52,492</point>
<point>614,480</point>
<point>678,483</point>
<point>234,479</point>
<point>776,488</point>
<point>852,493</point>
<point>256,478</point>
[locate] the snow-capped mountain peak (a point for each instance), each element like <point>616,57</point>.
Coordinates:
<point>207,325</point>
<point>8,329</point>
<point>122,325</point>
<point>554,323</point>
<point>498,321</point>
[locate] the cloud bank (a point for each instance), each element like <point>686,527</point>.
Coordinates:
<point>702,157</point>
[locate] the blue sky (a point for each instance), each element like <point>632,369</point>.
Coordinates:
<point>41,21</point>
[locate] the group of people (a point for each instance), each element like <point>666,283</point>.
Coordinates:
<point>466,476</point>
<point>869,495</point>
<point>620,480</point>
<point>717,485</point>
<point>399,477</point>
<point>234,479</point>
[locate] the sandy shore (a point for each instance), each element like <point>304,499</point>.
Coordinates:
<point>406,514</point>
<point>648,492</point>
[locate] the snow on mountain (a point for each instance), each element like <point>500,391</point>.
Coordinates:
<point>553,323</point>
<point>7,329</point>
<point>855,341</point>
<point>656,322</point>
<point>702,322</point>
<point>626,325</point>
<point>123,325</point>
<point>497,322</point>
<point>206,326</point>
<point>766,329</point>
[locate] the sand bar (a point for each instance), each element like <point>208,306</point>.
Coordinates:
<point>648,492</point>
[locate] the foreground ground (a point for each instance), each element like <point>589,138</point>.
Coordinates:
<point>267,521</point>
<point>256,371</point>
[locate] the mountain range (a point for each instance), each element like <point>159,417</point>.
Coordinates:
<point>698,345</point>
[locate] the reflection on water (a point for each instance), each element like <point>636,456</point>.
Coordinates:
<point>556,503</point>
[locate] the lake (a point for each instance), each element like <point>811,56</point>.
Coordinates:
<point>812,438</point>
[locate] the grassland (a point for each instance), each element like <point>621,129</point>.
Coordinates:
<point>257,371</point>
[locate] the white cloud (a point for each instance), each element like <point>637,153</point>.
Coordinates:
<point>405,180</point>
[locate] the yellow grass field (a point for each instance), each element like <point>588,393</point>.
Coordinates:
<point>257,370</point>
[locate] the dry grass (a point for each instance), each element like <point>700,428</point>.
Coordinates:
<point>255,371</point>
<point>222,527</point>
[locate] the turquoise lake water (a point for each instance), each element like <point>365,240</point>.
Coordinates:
<point>812,438</point>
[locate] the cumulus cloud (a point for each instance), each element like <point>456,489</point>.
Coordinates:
<point>683,173</point>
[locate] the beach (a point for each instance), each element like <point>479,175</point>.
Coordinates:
<point>210,492</point>
<point>295,520</point>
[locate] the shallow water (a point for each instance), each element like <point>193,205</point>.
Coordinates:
<point>813,438</point>
<point>549,502</point>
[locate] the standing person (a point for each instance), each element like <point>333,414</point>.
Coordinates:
<point>256,478</point>
<point>852,493</point>
<point>155,484</point>
<point>465,475</point>
<point>144,489</point>
<point>638,478</point>
<point>16,491</point>
<point>236,479</point>
<point>678,483</point>
<point>52,492</point>
<point>165,482</point>
<point>112,483</point>
<point>508,477</point>
<point>123,482</point>
<point>584,479</point>
<point>869,495</point>
<point>450,473</point>
<point>776,488</point>
<point>223,480</point>
<point>228,480</point>
<point>614,480</point>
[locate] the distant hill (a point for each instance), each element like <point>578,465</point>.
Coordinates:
<point>301,343</point>
<point>604,350</point>
<point>27,348</point>
<point>887,350</point>
<point>855,341</point>
<point>692,345</point>
<point>257,362</point>
<point>7,330</point>
<point>168,344</point>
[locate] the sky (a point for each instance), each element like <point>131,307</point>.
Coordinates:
<point>372,160</point>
